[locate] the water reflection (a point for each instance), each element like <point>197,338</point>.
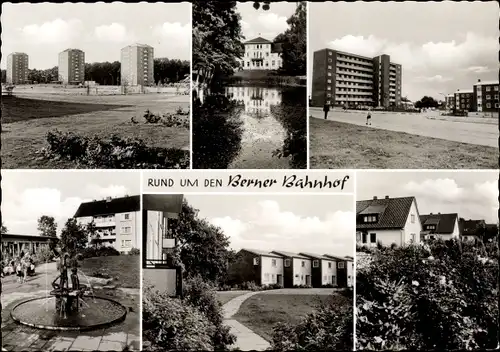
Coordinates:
<point>257,100</point>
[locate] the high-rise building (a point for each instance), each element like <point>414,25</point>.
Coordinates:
<point>117,221</point>
<point>17,68</point>
<point>485,96</point>
<point>71,69</point>
<point>349,80</point>
<point>464,100</point>
<point>137,65</point>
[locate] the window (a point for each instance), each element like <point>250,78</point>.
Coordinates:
<point>329,81</point>
<point>496,96</point>
<point>370,219</point>
<point>328,88</point>
<point>287,263</point>
<point>329,265</point>
<point>126,216</point>
<point>273,262</point>
<point>412,218</point>
<point>329,67</point>
<point>272,277</point>
<point>488,96</point>
<point>488,89</point>
<point>256,261</point>
<point>330,53</point>
<point>365,238</point>
<point>303,263</point>
<point>495,88</point>
<point>126,229</point>
<point>497,105</point>
<point>315,263</point>
<point>329,74</point>
<point>373,238</point>
<point>266,277</point>
<point>341,265</point>
<point>330,60</point>
<point>488,105</point>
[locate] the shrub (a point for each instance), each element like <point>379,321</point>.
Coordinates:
<point>151,118</point>
<point>329,328</point>
<point>115,153</point>
<point>250,285</point>
<point>43,255</point>
<point>169,324</point>
<point>134,251</point>
<point>169,120</point>
<point>103,251</point>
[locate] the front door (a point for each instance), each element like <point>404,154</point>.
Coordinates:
<point>334,280</point>
<point>308,280</point>
<point>280,279</point>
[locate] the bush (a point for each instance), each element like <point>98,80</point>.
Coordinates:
<point>437,296</point>
<point>134,251</point>
<point>103,251</point>
<point>329,328</point>
<point>151,118</point>
<point>250,286</point>
<point>115,153</point>
<point>202,295</point>
<point>169,324</point>
<point>43,255</point>
<point>169,120</point>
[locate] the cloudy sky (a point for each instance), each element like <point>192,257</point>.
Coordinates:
<point>473,195</point>
<point>266,24</point>
<point>100,30</point>
<point>30,194</point>
<point>442,46</point>
<point>299,223</point>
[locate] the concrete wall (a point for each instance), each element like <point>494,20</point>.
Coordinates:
<point>127,231</point>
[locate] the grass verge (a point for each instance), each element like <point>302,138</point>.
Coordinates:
<point>125,269</point>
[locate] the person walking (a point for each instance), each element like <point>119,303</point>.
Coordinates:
<point>369,117</point>
<point>19,271</point>
<point>326,109</point>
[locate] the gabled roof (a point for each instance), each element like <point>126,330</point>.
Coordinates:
<point>445,223</point>
<point>289,254</point>
<point>314,256</point>
<point>261,253</point>
<point>394,215</point>
<point>468,227</point>
<point>258,40</point>
<point>337,258</point>
<point>109,206</point>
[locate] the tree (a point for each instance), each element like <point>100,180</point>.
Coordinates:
<point>293,43</point>
<point>426,102</point>
<point>95,237</point>
<point>47,226</point>
<point>216,41</point>
<point>4,76</point>
<point>3,229</point>
<point>203,247</point>
<point>265,5</point>
<point>73,237</point>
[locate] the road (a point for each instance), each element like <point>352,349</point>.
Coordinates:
<point>419,124</point>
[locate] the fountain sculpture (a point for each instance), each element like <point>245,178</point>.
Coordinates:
<point>70,305</point>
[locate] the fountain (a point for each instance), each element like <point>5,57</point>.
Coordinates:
<point>71,305</point>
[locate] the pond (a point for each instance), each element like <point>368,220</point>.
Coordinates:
<point>251,127</point>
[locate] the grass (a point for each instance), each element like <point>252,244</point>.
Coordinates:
<point>124,268</point>
<point>21,140</point>
<point>338,145</point>
<point>261,311</point>
<point>226,296</point>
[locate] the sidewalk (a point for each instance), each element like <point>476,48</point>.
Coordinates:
<point>246,339</point>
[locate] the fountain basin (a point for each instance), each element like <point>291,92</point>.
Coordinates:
<point>96,312</point>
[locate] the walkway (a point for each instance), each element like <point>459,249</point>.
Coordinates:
<point>246,339</point>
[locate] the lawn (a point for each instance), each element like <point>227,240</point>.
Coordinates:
<point>338,145</point>
<point>261,311</point>
<point>226,296</point>
<point>22,139</point>
<point>124,268</point>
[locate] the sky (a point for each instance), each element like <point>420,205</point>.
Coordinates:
<point>27,195</point>
<point>473,195</point>
<point>442,46</point>
<point>44,30</point>
<point>266,24</point>
<point>322,224</point>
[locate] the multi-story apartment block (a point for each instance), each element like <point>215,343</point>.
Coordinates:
<point>485,96</point>
<point>116,219</point>
<point>137,65</point>
<point>71,69</point>
<point>464,100</point>
<point>17,68</point>
<point>261,54</point>
<point>349,80</point>
<point>450,101</point>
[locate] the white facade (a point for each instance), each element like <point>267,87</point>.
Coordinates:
<point>137,65</point>
<point>328,272</point>
<point>271,270</point>
<point>409,234</point>
<point>301,271</point>
<point>447,236</point>
<point>257,100</point>
<point>71,67</point>
<point>259,56</point>
<point>350,273</point>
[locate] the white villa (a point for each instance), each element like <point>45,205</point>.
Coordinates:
<point>261,54</point>
<point>257,100</point>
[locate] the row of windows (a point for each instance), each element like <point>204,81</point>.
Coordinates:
<point>287,263</point>
<point>488,88</point>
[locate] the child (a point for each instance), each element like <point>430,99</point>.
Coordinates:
<point>19,271</point>
<point>369,117</point>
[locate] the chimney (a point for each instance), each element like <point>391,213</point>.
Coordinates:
<point>108,199</point>
<point>430,214</point>
<point>439,213</point>
<point>386,197</point>
<point>375,198</point>
<point>479,80</point>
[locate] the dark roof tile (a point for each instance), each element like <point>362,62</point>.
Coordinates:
<point>393,216</point>
<point>445,223</point>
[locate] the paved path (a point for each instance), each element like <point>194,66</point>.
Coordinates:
<point>246,339</point>
<point>419,124</point>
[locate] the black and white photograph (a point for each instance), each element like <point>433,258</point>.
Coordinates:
<point>70,261</point>
<point>427,260</point>
<point>248,272</point>
<point>249,85</point>
<point>406,85</point>
<point>95,85</point>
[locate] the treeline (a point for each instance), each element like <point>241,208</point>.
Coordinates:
<point>108,73</point>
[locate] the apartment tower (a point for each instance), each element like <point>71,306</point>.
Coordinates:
<point>137,65</point>
<point>17,68</point>
<point>485,96</point>
<point>349,80</point>
<point>71,69</point>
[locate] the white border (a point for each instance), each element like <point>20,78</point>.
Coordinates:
<point>190,90</point>
<point>308,167</point>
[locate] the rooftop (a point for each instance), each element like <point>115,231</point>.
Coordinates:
<point>109,206</point>
<point>314,256</point>
<point>392,212</point>
<point>12,236</point>
<point>486,83</point>
<point>290,254</point>
<point>258,40</point>
<point>445,223</point>
<point>464,91</point>
<point>260,252</point>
